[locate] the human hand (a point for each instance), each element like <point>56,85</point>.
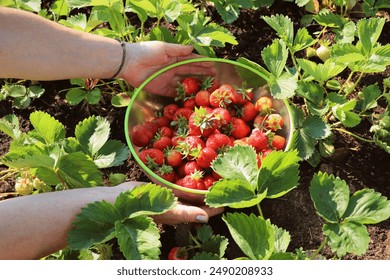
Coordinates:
<point>145,58</point>
<point>187,214</point>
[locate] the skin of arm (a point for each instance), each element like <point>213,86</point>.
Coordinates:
<point>35,48</point>
<point>35,226</point>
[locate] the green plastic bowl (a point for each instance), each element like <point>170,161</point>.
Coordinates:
<point>143,106</point>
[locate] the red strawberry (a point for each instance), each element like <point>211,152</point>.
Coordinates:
<point>193,181</point>
<point>205,157</point>
<point>140,136</point>
<point>177,253</point>
<point>258,122</point>
<point>191,167</point>
<point>220,98</point>
<point>176,139</point>
<point>278,142</point>
<point>274,122</point>
<point>222,116</point>
<point>236,97</point>
<point>217,141</point>
<point>166,172</point>
<point>248,112</point>
<point>151,157</point>
<point>165,131</point>
<point>264,105</point>
<point>258,140</point>
<point>169,111</point>
<point>161,142</point>
<point>189,86</point>
<point>161,121</point>
<point>189,103</point>
<point>240,129</point>
<point>202,122</point>
<point>202,98</point>
<point>209,180</point>
<point>210,84</point>
<point>182,113</point>
<point>150,126</point>
<point>173,157</point>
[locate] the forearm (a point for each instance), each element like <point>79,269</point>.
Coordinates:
<point>36,225</point>
<point>37,49</point>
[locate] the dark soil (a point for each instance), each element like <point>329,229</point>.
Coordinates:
<point>360,164</point>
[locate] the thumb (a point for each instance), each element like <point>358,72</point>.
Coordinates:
<point>187,214</point>
<point>174,50</point>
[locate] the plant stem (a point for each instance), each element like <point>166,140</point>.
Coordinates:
<point>259,209</point>
<point>354,135</point>
<point>322,245</point>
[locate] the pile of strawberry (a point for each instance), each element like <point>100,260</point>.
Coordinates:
<point>183,139</point>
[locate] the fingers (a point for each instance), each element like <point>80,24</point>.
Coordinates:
<point>187,214</point>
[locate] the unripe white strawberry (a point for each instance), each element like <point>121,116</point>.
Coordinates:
<point>38,184</point>
<point>24,186</point>
<point>323,52</point>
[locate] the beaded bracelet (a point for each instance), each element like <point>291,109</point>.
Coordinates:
<point>123,45</point>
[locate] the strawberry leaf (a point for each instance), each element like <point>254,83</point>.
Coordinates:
<point>205,256</point>
<point>47,127</point>
<point>349,237</point>
<point>330,196</point>
<point>10,126</point>
<point>94,224</point>
<point>216,244</point>
<point>279,173</point>
<point>138,238</point>
<point>235,193</point>
<point>92,133</point>
<point>230,165</point>
<point>78,171</point>
<point>113,153</point>
<point>241,226</point>
<point>367,207</point>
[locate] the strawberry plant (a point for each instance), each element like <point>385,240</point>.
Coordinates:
<point>59,161</point>
<point>20,94</point>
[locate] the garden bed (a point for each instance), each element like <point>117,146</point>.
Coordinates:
<point>360,164</point>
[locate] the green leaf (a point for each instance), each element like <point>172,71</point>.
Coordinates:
<point>113,153</point>
<point>204,232</point>
<point>35,91</point>
<point>47,127</point>
<point>346,53</point>
<point>22,161</point>
<point>303,143</point>
<point>346,34</point>
<point>275,57</point>
<point>283,87</point>
<point>302,40</point>
<point>216,245</point>
<point>93,96</point>
<point>94,224</point>
<point>283,26</point>
<point>116,178</point>
<point>367,207</point>
<point>321,72</point>
<point>344,113</point>
<point>368,98</point>
<point>253,234</point>
<point>75,95</point>
<point>316,128</point>
<point>145,199</point>
<point>205,256</point>
<point>121,99</point>
<point>235,193</point>
<point>349,237</point>
<point>329,19</point>
<point>330,196</point>
<point>238,162</point>
<point>78,171</point>
<point>138,238</point>
<point>279,173</point>
<point>9,124</point>
<point>282,239</point>
<point>369,31</point>
<point>92,133</point>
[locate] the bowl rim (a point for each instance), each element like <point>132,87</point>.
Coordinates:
<point>154,75</point>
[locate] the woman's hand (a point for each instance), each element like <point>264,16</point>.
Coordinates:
<point>145,58</point>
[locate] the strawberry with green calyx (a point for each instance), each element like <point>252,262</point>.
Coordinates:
<point>191,167</point>
<point>189,144</point>
<point>218,141</point>
<point>240,128</point>
<point>151,157</point>
<point>258,140</point>
<point>161,142</point>
<point>205,156</point>
<point>182,113</point>
<point>187,87</point>
<point>222,116</point>
<point>165,131</point>
<point>166,172</point>
<point>178,253</point>
<point>247,112</point>
<point>202,122</point>
<point>258,122</point>
<point>169,111</point>
<point>209,180</point>
<point>24,186</point>
<point>202,98</point>
<point>264,105</point>
<point>193,181</point>
<point>278,142</point>
<point>220,98</point>
<point>323,52</point>
<point>161,120</point>
<point>189,103</point>
<point>140,135</point>
<point>210,84</point>
<point>173,157</point>
<point>274,122</point>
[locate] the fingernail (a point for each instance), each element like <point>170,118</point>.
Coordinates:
<point>201,219</point>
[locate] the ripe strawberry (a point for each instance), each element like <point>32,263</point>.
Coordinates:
<point>258,122</point>
<point>191,167</point>
<point>169,111</point>
<point>161,142</point>
<point>182,113</point>
<point>202,122</point>
<point>210,84</point>
<point>190,143</point>
<point>205,157</point>
<point>248,112</point>
<point>161,121</point>
<point>278,142</point>
<point>193,181</point>
<point>240,129</point>
<point>166,172</point>
<point>151,157</point>
<point>258,140</point>
<point>165,131</point>
<point>173,157</point>
<point>264,105</point>
<point>209,180</point>
<point>218,141</point>
<point>202,98</point>
<point>236,97</point>
<point>189,86</point>
<point>140,135</point>
<point>189,103</point>
<point>177,253</point>
<point>220,98</point>
<point>222,116</point>
<point>274,122</point>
